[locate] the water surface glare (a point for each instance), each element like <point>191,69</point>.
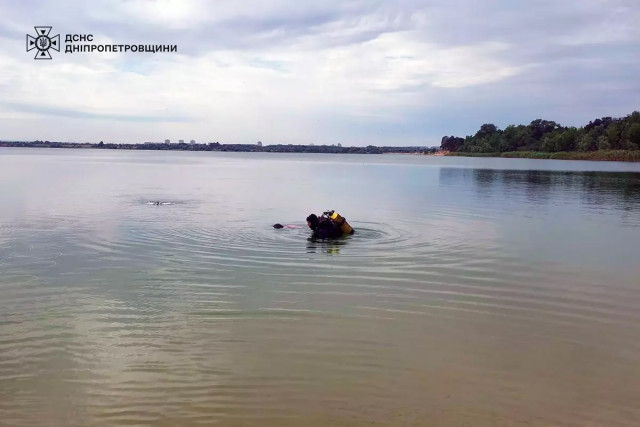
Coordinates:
<point>474,292</point>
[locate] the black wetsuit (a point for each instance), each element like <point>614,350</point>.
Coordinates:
<point>326,229</point>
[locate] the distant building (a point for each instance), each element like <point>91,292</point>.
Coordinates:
<point>167,141</point>
<point>181,141</point>
<point>193,141</point>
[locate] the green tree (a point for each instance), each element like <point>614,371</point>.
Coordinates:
<point>516,137</point>
<point>614,136</point>
<point>540,127</point>
<point>486,130</point>
<point>549,143</point>
<point>603,143</point>
<point>567,140</point>
<point>587,142</point>
<point>451,143</point>
<point>633,134</point>
<point>496,143</point>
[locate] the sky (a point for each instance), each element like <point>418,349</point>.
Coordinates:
<point>360,72</point>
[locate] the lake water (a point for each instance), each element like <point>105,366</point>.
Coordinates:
<point>475,291</point>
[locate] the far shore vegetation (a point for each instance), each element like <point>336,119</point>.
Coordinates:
<point>607,138</point>
<point>216,146</point>
<point>612,155</point>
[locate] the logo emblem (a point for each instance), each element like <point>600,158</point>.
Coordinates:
<point>42,42</point>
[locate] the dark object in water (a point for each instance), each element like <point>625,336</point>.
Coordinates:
<point>287,226</point>
<point>328,226</point>
<point>323,227</point>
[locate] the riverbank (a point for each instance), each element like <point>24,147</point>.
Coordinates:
<point>216,146</point>
<point>601,155</point>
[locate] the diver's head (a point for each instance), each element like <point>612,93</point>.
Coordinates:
<point>278,226</point>
<point>312,221</point>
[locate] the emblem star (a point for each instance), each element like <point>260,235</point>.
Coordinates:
<point>42,42</point>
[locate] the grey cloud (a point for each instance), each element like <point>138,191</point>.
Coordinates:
<point>71,113</point>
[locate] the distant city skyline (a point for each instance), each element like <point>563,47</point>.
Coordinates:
<point>352,72</point>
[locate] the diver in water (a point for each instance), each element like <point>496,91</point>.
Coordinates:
<point>326,227</point>
<point>329,225</point>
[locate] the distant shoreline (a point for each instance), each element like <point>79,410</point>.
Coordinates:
<point>599,155</point>
<point>215,146</point>
<point>604,139</point>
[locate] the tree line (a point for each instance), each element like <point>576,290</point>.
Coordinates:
<point>606,133</point>
<point>216,146</point>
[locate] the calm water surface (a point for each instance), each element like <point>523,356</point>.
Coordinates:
<point>474,292</point>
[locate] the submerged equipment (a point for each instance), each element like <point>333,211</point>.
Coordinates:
<point>339,221</point>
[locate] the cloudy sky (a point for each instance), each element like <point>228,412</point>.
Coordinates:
<point>360,72</point>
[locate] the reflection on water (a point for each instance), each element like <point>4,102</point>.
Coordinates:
<point>332,246</point>
<point>597,189</point>
<point>328,246</point>
<point>468,294</point>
